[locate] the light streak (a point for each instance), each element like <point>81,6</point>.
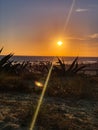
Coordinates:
<point>41,99</point>
<point>69,15</point>
<point>49,74</point>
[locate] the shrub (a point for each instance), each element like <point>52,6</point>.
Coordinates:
<point>76,86</point>
<point>62,70</point>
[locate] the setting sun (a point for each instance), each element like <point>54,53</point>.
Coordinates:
<point>59,43</point>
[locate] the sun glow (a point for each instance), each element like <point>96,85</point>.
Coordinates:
<point>59,43</point>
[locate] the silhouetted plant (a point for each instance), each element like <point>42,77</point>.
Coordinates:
<point>5,64</point>
<point>42,67</point>
<point>9,66</point>
<point>73,69</point>
<point>1,49</point>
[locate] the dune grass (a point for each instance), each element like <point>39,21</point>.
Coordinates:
<point>75,86</point>
<point>12,83</point>
<point>64,82</point>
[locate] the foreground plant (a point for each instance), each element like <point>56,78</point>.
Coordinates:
<point>62,70</point>
<point>7,65</point>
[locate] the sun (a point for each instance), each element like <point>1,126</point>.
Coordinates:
<point>59,43</point>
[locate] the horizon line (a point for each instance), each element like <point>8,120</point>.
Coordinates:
<point>50,56</point>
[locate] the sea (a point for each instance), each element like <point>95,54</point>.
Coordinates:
<point>67,60</point>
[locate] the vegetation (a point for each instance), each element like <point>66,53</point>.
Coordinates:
<point>63,107</point>
<point>5,64</point>
<point>64,82</point>
<point>73,87</point>
<point>14,76</point>
<point>62,70</point>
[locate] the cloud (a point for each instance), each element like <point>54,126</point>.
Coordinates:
<point>76,38</point>
<point>85,39</point>
<point>94,36</point>
<point>79,10</point>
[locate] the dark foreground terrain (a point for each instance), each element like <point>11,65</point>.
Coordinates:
<point>16,111</point>
<point>70,101</point>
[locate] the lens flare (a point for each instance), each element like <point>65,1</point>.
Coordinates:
<point>38,84</point>
<point>69,15</point>
<point>40,99</point>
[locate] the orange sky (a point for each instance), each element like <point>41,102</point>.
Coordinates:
<point>33,28</point>
<point>51,48</point>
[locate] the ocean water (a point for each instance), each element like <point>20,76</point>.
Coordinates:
<point>67,60</point>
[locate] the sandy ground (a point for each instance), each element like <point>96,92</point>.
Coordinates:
<point>13,108</point>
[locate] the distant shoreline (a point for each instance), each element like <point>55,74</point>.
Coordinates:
<point>67,60</point>
<point>52,56</point>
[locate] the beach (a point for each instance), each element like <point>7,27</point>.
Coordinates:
<point>70,100</point>
<point>55,113</point>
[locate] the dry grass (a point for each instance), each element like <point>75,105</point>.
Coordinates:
<point>10,83</point>
<point>76,86</point>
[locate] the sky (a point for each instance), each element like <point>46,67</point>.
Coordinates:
<point>33,27</point>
